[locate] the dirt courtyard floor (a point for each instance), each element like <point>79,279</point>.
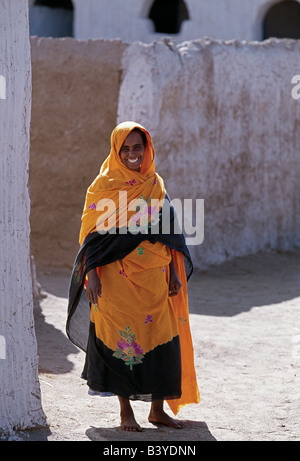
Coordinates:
<point>245,322</point>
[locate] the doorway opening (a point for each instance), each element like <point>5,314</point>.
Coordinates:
<point>168,15</point>
<point>282,20</point>
<point>51,18</point>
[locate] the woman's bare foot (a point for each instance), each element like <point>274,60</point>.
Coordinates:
<point>128,422</point>
<point>157,415</point>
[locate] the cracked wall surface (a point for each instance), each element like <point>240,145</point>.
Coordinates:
<point>226,130</point>
<point>224,124</point>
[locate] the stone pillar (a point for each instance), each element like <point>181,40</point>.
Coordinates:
<point>20,401</point>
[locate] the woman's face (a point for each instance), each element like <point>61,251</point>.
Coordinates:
<point>133,151</point>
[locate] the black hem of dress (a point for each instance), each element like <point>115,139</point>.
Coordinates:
<point>158,377</point>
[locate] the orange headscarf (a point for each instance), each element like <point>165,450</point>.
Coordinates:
<point>114,177</point>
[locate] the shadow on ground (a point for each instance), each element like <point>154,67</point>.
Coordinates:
<point>194,431</point>
<point>244,283</point>
<point>50,313</point>
<point>53,346</point>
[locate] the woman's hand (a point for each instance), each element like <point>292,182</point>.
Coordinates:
<point>174,282</point>
<point>93,287</point>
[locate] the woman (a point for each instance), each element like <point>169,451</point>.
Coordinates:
<point>133,319</point>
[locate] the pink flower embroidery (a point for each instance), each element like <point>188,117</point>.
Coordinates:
<point>128,349</point>
<point>92,206</point>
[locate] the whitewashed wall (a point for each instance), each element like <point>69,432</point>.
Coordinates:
<point>227,130</point>
<point>127,20</point>
<point>20,403</point>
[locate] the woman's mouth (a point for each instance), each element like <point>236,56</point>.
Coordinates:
<point>133,160</point>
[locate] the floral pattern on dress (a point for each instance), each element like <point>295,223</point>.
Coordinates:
<point>128,349</point>
<point>148,319</point>
<point>92,206</point>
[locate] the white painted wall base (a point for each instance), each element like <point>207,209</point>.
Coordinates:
<point>20,400</point>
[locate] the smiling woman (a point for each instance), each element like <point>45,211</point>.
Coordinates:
<point>131,289</point>
<point>132,152</point>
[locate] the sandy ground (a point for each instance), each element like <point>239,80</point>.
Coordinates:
<point>245,321</point>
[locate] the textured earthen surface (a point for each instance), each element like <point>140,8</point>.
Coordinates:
<point>74,107</point>
<point>226,130</point>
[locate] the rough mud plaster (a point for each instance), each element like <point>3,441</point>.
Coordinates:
<point>74,106</point>
<point>226,129</point>
<point>20,400</point>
